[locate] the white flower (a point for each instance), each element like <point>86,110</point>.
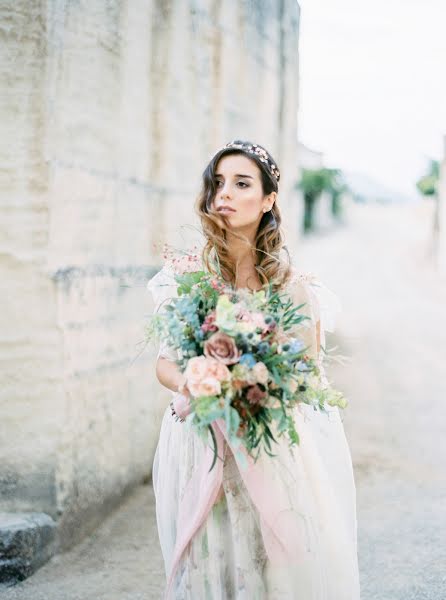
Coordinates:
<point>260,373</point>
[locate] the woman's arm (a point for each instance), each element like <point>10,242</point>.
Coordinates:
<point>169,375</point>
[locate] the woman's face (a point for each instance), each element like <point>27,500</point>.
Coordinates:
<point>239,194</point>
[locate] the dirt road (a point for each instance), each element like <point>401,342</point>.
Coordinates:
<point>393,328</point>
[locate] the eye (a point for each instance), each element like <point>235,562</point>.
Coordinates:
<point>242,183</point>
<point>217,182</point>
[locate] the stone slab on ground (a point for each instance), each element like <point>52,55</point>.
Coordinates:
<point>27,541</point>
<point>121,560</point>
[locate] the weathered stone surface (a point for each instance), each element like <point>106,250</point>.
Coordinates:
<point>112,111</point>
<point>27,541</point>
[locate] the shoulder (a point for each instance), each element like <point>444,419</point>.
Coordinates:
<point>300,287</point>
<point>325,303</point>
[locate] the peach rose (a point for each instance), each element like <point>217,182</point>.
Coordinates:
<point>204,376</point>
<point>222,347</point>
<point>206,387</point>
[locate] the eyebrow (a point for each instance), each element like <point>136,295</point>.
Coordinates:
<point>236,175</point>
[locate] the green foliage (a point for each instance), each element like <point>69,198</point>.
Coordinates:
<point>313,183</point>
<point>428,184</point>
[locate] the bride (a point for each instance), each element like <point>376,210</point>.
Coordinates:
<point>286,528</point>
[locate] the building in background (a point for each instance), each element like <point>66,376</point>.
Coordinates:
<point>112,111</point>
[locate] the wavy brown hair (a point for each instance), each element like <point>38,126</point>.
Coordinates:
<point>269,249</point>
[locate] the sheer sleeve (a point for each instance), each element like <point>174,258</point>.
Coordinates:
<point>327,304</point>
<point>163,288</point>
<point>321,304</point>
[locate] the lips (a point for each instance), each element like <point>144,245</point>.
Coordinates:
<point>225,209</point>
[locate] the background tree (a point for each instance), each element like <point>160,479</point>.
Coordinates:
<point>337,187</point>
<point>428,185</point>
<point>312,183</point>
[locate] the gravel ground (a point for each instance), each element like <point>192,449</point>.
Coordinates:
<point>120,561</point>
<point>392,331</point>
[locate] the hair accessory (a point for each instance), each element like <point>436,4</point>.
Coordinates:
<point>259,151</point>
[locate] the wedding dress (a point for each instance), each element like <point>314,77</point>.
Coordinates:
<point>219,531</point>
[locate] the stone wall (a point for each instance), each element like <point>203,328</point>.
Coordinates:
<point>112,110</point>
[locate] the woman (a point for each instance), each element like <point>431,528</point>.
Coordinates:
<point>286,526</point>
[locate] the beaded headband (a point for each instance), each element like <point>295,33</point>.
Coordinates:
<point>259,151</point>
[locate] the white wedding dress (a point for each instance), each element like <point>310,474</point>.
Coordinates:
<point>226,558</point>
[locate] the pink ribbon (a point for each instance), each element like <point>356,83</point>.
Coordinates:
<point>283,531</point>
<point>191,514</point>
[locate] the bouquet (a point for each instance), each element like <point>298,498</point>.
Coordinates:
<point>243,360</point>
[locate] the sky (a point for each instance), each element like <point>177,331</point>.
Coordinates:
<point>373,86</point>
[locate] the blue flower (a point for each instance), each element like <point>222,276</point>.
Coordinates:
<point>247,360</point>
<point>296,346</point>
<point>302,366</point>
<point>263,348</point>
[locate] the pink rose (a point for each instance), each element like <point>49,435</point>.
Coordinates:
<point>206,387</point>
<point>209,323</point>
<point>242,313</point>
<point>222,347</point>
<point>204,376</point>
<point>255,319</point>
<point>259,321</point>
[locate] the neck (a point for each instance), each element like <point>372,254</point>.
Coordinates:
<point>241,251</point>
<point>244,259</point>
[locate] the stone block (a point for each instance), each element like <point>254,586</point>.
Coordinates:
<point>27,541</point>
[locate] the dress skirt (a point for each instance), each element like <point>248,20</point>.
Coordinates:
<point>227,559</point>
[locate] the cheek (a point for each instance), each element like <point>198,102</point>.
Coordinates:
<point>252,203</point>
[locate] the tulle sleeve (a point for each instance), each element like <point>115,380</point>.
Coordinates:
<point>163,288</point>
<point>325,307</point>
<point>320,304</point>
<point>326,304</point>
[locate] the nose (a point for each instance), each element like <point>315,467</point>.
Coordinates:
<point>225,191</point>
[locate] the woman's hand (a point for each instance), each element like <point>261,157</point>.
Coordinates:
<point>170,376</point>
<point>180,404</point>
